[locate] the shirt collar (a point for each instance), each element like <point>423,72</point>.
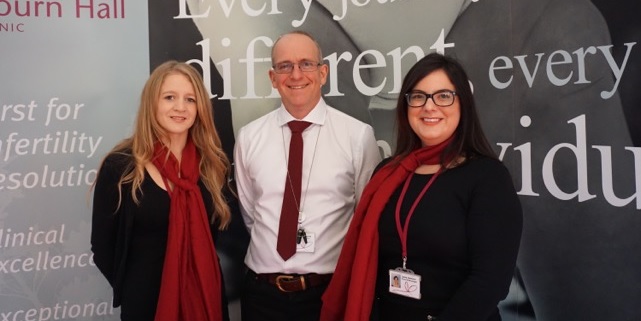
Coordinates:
<point>316,116</point>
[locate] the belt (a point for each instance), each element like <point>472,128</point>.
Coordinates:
<point>293,282</point>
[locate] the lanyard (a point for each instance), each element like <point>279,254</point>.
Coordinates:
<point>402,231</point>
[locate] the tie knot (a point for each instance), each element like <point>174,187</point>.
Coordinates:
<point>297,126</point>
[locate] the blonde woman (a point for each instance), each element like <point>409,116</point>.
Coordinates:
<point>159,197</point>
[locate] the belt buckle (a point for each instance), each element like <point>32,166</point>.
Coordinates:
<point>288,278</point>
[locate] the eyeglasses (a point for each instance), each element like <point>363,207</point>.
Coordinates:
<point>442,98</point>
<point>288,67</point>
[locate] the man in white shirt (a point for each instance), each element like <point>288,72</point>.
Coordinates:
<point>339,155</point>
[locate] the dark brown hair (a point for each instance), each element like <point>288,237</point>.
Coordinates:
<point>469,141</point>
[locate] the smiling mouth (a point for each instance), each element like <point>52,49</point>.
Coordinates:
<point>298,87</point>
<point>431,120</point>
<point>178,118</point>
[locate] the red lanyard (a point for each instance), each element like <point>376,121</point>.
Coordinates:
<point>402,231</point>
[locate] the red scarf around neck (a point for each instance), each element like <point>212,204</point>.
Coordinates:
<point>350,294</point>
<point>191,282</point>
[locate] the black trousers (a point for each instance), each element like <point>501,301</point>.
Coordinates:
<point>262,301</point>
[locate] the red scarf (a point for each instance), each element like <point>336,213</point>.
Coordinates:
<point>191,282</point>
<point>350,294</point>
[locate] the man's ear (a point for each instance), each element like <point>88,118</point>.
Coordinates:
<point>272,77</point>
<point>324,70</point>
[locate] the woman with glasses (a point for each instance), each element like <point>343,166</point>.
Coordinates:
<point>442,214</point>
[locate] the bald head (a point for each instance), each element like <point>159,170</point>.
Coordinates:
<point>296,36</point>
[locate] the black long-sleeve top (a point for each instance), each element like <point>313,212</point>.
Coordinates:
<point>463,240</point>
<point>129,242</point>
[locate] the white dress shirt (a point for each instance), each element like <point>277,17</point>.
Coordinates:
<point>339,155</point>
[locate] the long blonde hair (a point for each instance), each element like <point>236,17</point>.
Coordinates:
<point>214,165</point>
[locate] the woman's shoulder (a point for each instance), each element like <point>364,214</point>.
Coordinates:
<point>482,170</point>
<point>119,155</point>
<point>483,166</point>
<point>485,161</point>
<point>117,161</point>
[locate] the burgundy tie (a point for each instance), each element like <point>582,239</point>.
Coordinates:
<point>291,198</point>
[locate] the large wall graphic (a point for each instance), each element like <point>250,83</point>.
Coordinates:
<point>556,83</point>
<point>71,73</point>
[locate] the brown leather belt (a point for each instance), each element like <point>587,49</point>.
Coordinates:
<point>293,282</point>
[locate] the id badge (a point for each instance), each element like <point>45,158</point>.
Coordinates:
<point>306,244</point>
<point>404,282</point>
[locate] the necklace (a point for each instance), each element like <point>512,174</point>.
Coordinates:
<point>301,205</point>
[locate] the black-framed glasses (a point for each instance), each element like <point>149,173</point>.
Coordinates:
<point>288,67</point>
<point>442,98</point>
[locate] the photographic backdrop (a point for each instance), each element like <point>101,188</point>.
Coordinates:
<point>555,83</point>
